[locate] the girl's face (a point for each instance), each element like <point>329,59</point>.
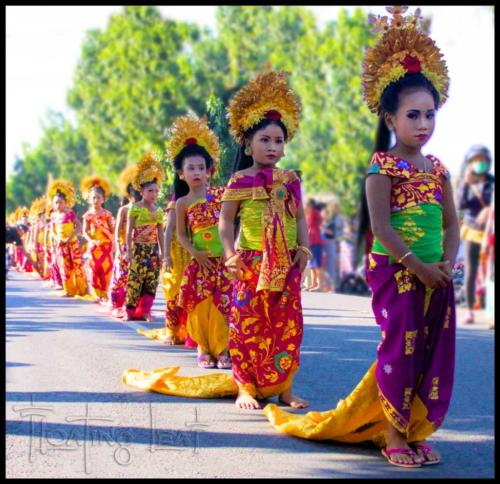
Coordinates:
<point>194,171</point>
<point>96,199</point>
<point>150,193</point>
<point>58,203</point>
<point>414,120</point>
<point>268,145</point>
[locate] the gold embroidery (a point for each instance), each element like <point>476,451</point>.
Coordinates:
<point>428,294</point>
<point>410,338</point>
<point>406,398</point>
<point>433,394</point>
<point>447,318</point>
<point>405,281</point>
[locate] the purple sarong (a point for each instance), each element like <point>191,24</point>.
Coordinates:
<point>417,353</point>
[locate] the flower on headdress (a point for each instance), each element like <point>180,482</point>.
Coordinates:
<point>273,115</point>
<point>190,141</point>
<point>411,64</point>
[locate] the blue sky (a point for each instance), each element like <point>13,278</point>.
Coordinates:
<point>43,46</point>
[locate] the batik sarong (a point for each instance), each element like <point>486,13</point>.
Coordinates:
<point>142,282</point>
<point>118,286</point>
<point>70,265</point>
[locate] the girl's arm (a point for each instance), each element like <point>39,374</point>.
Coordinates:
<point>161,241</point>
<point>302,239</point>
<point>120,220</point>
<point>86,227</point>
<point>234,264</point>
<point>169,233</point>
<point>226,226</point>
<point>77,229</point>
<point>201,256</point>
<point>378,192</point>
<point>130,228</point>
<point>451,231</point>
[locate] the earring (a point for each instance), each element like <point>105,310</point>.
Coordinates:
<point>181,177</point>
<point>248,150</point>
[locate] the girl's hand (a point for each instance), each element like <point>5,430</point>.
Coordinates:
<point>203,258</point>
<point>435,275</point>
<point>300,260</point>
<point>167,263</point>
<point>128,255</point>
<point>236,267</point>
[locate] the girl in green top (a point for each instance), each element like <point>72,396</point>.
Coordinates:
<point>145,247</point>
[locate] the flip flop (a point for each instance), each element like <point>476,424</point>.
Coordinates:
<point>426,449</point>
<point>388,452</point>
<point>205,361</point>
<point>224,362</point>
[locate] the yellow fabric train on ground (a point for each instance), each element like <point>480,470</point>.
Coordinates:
<point>165,380</point>
<point>356,419</point>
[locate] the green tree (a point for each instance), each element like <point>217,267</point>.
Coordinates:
<point>132,80</point>
<point>62,151</point>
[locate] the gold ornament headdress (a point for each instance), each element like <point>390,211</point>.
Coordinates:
<point>21,212</point>
<point>92,181</point>
<point>148,169</point>
<point>126,176</point>
<point>267,96</point>
<point>38,206</point>
<point>66,188</point>
<point>402,49</point>
<point>190,130</point>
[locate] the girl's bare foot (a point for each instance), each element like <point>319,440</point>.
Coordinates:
<point>245,400</point>
<point>288,398</point>
<point>426,452</point>
<point>169,340</point>
<point>395,440</point>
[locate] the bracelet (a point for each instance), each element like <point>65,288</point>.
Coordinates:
<point>228,262</point>
<point>401,259</point>
<point>306,251</point>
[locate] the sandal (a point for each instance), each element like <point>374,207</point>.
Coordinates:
<point>426,449</point>
<point>205,361</point>
<point>388,452</point>
<point>224,362</point>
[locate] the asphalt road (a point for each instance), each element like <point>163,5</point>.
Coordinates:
<point>69,415</point>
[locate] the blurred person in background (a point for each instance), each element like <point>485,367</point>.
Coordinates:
<point>474,197</point>
<point>314,221</point>
<point>331,230</point>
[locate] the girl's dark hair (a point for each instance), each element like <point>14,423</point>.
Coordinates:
<point>242,160</point>
<point>60,195</point>
<point>132,192</point>
<point>389,103</point>
<point>181,188</point>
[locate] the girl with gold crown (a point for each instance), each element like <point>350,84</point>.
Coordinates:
<point>145,248</point>
<point>265,322</point>
<point>404,396</point>
<point>176,260</point>
<point>118,286</point>
<point>64,228</point>
<point>38,232</point>
<point>204,291</point>
<point>98,226</point>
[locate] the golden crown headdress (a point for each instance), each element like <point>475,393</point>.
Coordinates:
<point>148,169</point>
<point>403,48</point>
<point>191,130</point>
<point>267,96</point>
<point>20,212</point>
<point>11,218</point>
<point>38,206</point>
<point>92,181</point>
<point>126,177</point>
<point>66,188</point>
